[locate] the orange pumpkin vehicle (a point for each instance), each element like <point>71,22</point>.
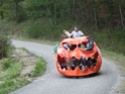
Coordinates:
<point>73,59</point>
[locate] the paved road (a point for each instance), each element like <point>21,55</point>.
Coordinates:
<point>54,83</point>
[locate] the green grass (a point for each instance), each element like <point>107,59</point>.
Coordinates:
<point>44,29</point>
<point>13,71</point>
<point>119,60</point>
<point>10,69</point>
<point>5,46</point>
<point>109,39</point>
<point>25,50</point>
<point>41,41</point>
<point>39,29</point>
<point>12,84</point>
<point>39,69</point>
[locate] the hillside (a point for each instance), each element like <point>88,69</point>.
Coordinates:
<point>103,20</point>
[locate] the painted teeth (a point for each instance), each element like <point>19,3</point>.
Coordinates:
<point>80,63</point>
<point>81,67</point>
<point>63,69</point>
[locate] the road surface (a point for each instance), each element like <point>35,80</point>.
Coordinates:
<point>54,83</point>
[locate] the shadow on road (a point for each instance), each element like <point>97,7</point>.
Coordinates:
<point>82,77</point>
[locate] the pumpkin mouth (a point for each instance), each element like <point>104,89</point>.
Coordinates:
<point>73,63</point>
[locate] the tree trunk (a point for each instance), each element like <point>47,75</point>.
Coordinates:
<point>55,14</point>
<point>95,17</point>
<point>73,9</point>
<point>1,14</point>
<point>121,15</point>
<point>16,4</point>
<point>49,15</point>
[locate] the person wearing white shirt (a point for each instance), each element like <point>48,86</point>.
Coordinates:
<point>76,33</point>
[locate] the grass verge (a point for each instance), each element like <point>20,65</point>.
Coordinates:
<point>19,70</point>
<point>41,41</point>
<point>119,60</point>
<point>39,68</point>
<point>12,84</point>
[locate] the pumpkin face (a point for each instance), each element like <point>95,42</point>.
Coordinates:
<point>72,58</point>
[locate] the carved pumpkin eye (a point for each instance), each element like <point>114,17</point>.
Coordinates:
<point>66,46</point>
<point>73,47</point>
<point>81,46</point>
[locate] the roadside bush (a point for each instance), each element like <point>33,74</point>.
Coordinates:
<point>44,29</point>
<point>10,67</point>
<point>13,71</point>
<point>5,46</point>
<point>7,63</point>
<point>39,30</point>
<point>109,39</point>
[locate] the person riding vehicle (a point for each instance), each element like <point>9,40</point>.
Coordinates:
<point>76,57</point>
<point>76,33</point>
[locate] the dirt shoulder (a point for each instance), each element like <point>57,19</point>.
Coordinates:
<point>21,68</point>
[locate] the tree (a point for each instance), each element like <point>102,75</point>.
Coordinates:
<point>121,14</point>
<point>87,13</point>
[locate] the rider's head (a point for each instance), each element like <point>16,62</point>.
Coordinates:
<point>76,28</point>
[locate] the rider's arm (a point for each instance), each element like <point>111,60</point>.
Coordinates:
<point>81,33</point>
<point>67,33</point>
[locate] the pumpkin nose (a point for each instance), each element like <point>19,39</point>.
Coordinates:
<point>77,54</point>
